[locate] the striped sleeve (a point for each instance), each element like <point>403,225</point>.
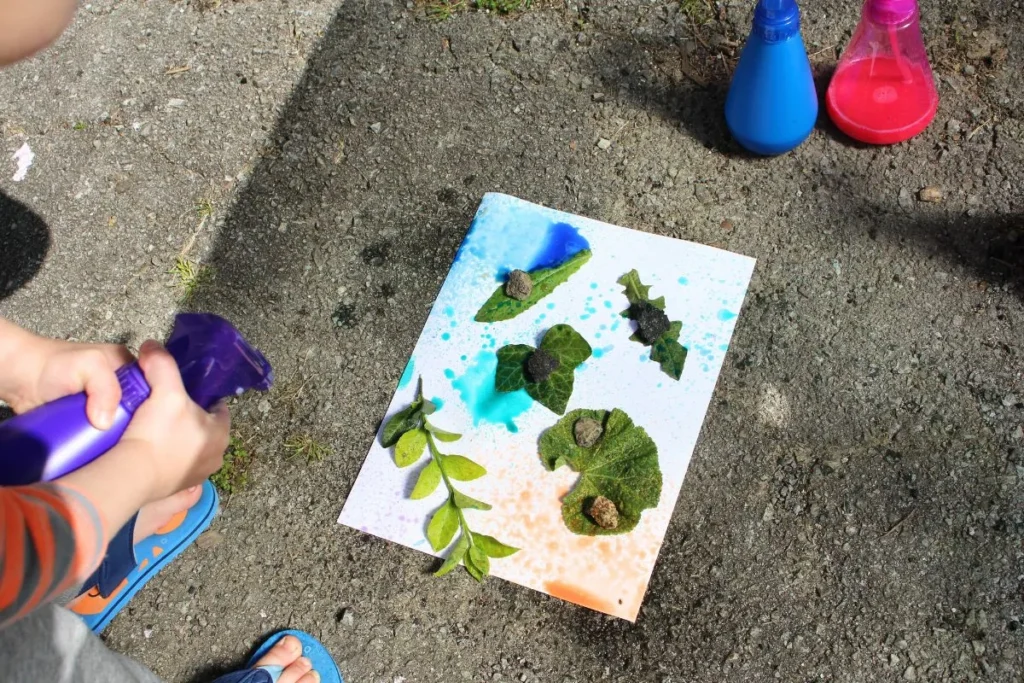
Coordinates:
<point>51,537</point>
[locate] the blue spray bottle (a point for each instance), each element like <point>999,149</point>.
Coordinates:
<point>772,104</point>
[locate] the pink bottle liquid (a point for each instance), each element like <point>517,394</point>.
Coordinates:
<point>883,91</point>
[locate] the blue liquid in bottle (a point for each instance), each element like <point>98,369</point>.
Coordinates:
<point>772,104</point>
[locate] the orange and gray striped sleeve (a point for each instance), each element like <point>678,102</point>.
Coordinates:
<point>51,537</point>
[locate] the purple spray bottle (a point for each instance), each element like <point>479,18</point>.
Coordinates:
<point>57,438</point>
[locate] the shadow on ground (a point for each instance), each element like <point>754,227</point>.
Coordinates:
<point>25,241</point>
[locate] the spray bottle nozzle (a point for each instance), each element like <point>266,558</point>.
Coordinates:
<point>777,20</point>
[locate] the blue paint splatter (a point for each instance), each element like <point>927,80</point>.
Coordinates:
<point>551,307</point>
<point>607,304</point>
<point>615,325</point>
<point>485,404</point>
<point>449,311</point>
<point>437,402</point>
<point>644,358</point>
<point>454,324</point>
<point>723,347</point>
<point>407,374</point>
<point>562,242</point>
<point>593,285</point>
<point>465,357</point>
<point>449,373</point>
<point>660,385</point>
<point>683,281</point>
<point>725,315</point>
<point>584,317</point>
<point>597,335</point>
<point>599,353</point>
<point>446,336</point>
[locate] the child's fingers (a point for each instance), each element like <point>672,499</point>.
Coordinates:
<point>160,370</point>
<point>102,390</point>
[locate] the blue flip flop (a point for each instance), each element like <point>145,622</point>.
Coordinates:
<point>323,663</point>
<point>127,568</point>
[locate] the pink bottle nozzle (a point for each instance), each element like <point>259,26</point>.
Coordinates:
<point>890,12</point>
<point>776,20</point>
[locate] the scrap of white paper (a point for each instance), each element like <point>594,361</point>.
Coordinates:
<point>24,158</point>
<point>703,287</point>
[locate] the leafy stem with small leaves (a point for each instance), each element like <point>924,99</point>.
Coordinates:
<point>412,434</point>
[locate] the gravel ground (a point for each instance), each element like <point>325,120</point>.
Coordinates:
<point>854,509</point>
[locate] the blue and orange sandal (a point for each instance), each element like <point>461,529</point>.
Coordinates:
<point>323,663</point>
<point>126,568</point>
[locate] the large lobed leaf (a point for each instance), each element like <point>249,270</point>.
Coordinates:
<point>503,307</point>
<point>622,466</point>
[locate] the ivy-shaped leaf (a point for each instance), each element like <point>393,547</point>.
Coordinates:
<point>562,342</point>
<point>666,349</point>
<point>503,307</point>
<point>622,467</point>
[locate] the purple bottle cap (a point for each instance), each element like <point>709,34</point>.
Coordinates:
<point>776,20</point>
<point>888,12</point>
<point>215,361</point>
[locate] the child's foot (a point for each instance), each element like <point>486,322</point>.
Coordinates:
<point>157,514</point>
<point>288,653</point>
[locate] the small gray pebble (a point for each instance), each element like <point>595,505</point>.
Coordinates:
<point>587,432</point>
<point>519,285</point>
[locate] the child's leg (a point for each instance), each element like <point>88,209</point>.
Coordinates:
<point>54,645</point>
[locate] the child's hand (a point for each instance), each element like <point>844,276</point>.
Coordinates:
<point>184,443</point>
<point>49,369</point>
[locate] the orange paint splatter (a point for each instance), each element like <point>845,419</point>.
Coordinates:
<point>574,594</point>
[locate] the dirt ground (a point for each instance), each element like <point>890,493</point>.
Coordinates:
<point>854,508</point>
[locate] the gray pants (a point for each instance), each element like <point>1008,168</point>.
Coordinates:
<point>52,645</point>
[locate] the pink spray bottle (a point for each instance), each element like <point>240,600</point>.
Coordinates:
<point>883,91</point>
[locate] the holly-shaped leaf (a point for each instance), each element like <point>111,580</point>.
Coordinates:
<point>621,466</point>
<point>503,307</point>
<point>666,349</point>
<point>562,342</point>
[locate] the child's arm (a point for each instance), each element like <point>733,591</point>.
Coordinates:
<point>54,535</point>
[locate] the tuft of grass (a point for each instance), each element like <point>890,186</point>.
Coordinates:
<point>305,446</point>
<point>204,208</point>
<point>699,12</point>
<point>233,476</point>
<point>80,125</point>
<point>440,10</point>
<point>503,6</point>
<point>190,276</point>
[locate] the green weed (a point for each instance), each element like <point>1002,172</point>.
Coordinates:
<point>699,12</point>
<point>305,446</point>
<point>233,476</point>
<point>80,125</point>
<point>503,6</point>
<point>190,276</point>
<point>204,208</point>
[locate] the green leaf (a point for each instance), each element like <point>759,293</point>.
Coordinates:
<point>465,502</point>
<point>622,466</point>
<point>454,557</point>
<point>671,354</point>
<point>567,345</point>
<point>562,342</point>
<point>503,307</point>
<point>461,468</point>
<point>403,421</point>
<point>636,291</point>
<point>666,350</point>
<point>428,480</point>
<point>492,547</point>
<point>478,560</point>
<point>440,434</point>
<point>410,447</point>
<point>442,526</point>
<point>510,375</point>
<point>473,570</point>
